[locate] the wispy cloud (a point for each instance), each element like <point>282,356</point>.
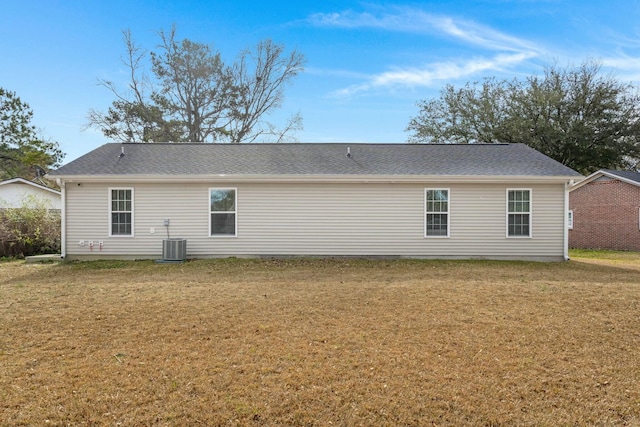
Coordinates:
<point>502,51</point>
<point>433,74</point>
<point>411,20</point>
<point>622,62</point>
<point>626,68</point>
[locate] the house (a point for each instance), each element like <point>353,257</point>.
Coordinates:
<point>14,193</point>
<point>605,209</point>
<point>493,201</point>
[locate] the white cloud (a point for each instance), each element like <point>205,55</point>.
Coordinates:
<point>622,62</point>
<point>434,73</point>
<point>624,67</point>
<point>410,20</point>
<point>505,51</point>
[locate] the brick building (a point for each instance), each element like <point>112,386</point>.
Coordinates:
<point>605,211</point>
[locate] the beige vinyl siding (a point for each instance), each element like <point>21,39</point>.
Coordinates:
<point>368,219</point>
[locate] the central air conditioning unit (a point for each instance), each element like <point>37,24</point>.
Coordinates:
<point>174,249</point>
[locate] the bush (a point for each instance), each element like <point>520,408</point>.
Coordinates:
<point>32,229</point>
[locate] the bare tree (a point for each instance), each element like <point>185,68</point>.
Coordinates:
<point>194,96</point>
<point>131,116</point>
<point>195,87</point>
<point>260,78</point>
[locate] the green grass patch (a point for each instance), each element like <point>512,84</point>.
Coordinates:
<point>604,254</point>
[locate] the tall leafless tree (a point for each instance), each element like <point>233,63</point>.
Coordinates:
<point>191,95</point>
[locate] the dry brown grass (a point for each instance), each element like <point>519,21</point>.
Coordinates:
<point>320,342</point>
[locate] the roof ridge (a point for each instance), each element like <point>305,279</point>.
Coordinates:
<point>244,144</point>
<point>306,159</point>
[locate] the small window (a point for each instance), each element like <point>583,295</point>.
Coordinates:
<point>519,213</point>
<point>222,209</point>
<point>121,212</point>
<point>436,213</point>
<point>570,220</point>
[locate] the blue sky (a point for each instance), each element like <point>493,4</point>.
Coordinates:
<point>368,63</point>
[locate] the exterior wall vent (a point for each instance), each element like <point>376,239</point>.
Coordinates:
<point>174,249</point>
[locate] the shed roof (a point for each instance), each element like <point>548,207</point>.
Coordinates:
<point>312,159</point>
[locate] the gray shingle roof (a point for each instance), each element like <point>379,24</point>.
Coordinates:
<point>631,176</point>
<point>159,159</point>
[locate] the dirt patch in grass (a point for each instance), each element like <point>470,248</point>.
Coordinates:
<point>319,342</point>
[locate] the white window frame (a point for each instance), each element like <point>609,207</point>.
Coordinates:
<point>530,213</point>
<point>235,212</point>
<point>109,195</point>
<point>570,219</point>
<point>426,190</point>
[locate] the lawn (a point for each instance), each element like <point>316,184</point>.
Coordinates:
<point>305,342</point>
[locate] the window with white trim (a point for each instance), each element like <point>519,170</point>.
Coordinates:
<point>222,212</point>
<point>570,220</point>
<point>121,211</point>
<point>436,202</point>
<point>519,213</point>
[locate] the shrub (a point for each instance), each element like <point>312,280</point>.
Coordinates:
<point>32,229</point>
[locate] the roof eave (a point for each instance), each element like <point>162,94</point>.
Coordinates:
<point>601,173</point>
<point>515,179</point>
<point>31,183</point>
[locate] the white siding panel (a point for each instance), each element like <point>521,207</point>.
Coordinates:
<point>14,195</point>
<point>317,219</point>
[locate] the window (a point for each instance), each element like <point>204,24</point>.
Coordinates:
<point>519,213</point>
<point>436,213</point>
<point>570,220</point>
<point>222,207</point>
<point>121,212</point>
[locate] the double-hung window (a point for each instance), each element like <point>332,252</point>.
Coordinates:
<point>519,213</point>
<point>121,212</point>
<point>436,213</point>
<point>222,212</point>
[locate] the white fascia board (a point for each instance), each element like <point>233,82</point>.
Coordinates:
<point>599,174</point>
<point>32,184</point>
<point>517,179</point>
<point>586,180</point>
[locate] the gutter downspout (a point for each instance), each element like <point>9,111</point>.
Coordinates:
<point>566,220</point>
<point>63,218</point>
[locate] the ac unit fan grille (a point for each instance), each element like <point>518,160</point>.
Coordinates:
<point>174,249</point>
